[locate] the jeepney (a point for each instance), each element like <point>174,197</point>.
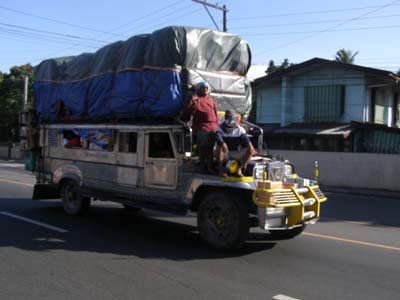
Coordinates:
<point>125,163</point>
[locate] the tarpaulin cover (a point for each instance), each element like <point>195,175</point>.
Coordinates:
<point>146,75</point>
<point>196,48</point>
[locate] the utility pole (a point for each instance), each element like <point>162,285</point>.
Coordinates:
<point>223,8</point>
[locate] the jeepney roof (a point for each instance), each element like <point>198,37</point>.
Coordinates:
<point>112,126</point>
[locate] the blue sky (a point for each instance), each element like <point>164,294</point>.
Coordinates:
<point>31,31</point>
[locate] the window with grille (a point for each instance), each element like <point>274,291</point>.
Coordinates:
<point>324,103</point>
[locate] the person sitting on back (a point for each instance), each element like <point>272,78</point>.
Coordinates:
<point>233,143</point>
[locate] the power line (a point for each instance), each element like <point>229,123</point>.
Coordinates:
<point>50,32</point>
<point>308,13</point>
<point>144,27</point>
<point>34,36</point>
<point>317,31</point>
<point>310,23</point>
<point>331,28</point>
<point>149,14</point>
<point>56,21</point>
<point>83,44</point>
<point>167,15</point>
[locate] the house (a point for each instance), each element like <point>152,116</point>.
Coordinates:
<point>326,105</point>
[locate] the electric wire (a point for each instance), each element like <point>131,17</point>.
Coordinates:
<point>329,28</point>
<point>309,12</point>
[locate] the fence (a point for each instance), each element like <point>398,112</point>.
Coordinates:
<point>10,153</point>
<point>354,170</point>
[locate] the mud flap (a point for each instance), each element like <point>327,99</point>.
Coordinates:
<point>45,191</point>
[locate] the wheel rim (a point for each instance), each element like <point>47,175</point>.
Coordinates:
<point>220,225</point>
<point>71,196</point>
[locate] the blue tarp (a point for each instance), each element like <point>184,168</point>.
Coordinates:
<point>129,94</point>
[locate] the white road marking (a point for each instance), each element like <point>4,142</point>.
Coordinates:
<point>58,229</point>
<point>283,297</point>
<point>17,182</point>
<point>335,238</point>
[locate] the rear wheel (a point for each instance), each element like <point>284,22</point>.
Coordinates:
<point>73,203</point>
<point>223,221</point>
<point>286,234</point>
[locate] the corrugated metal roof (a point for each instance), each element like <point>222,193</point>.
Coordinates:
<point>304,66</point>
<point>316,129</point>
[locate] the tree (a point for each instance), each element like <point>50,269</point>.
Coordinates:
<point>345,56</point>
<point>11,86</point>
<point>272,68</point>
<point>398,72</point>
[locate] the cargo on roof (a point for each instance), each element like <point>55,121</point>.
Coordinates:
<point>146,75</point>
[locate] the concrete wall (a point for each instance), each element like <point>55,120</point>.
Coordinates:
<point>356,170</point>
<point>15,153</point>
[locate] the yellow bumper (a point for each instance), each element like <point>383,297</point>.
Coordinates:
<point>300,204</point>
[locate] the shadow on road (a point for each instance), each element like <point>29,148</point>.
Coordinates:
<point>112,230</point>
<point>370,210</point>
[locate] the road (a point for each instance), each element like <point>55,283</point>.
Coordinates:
<point>353,252</point>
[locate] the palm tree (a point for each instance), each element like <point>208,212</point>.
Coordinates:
<point>345,56</point>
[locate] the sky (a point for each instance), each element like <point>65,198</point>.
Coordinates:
<point>31,31</point>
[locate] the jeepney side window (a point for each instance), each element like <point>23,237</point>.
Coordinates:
<point>71,139</point>
<point>178,136</point>
<point>91,139</point>
<point>128,142</point>
<point>160,145</point>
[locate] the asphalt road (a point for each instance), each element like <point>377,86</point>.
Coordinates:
<point>353,252</point>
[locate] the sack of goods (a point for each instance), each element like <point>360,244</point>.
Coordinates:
<point>149,75</point>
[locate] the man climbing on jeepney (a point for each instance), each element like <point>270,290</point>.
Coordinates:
<point>233,144</point>
<point>205,123</point>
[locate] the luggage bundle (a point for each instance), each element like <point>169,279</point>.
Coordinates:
<point>149,75</point>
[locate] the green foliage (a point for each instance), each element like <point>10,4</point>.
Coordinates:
<point>11,87</point>
<point>272,68</point>
<point>345,56</point>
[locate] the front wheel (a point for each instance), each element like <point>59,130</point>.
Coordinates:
<point>223,221</point>
<point>286,234</point>
<point>72,202</point>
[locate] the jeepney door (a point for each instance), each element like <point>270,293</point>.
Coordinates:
<point>160,166</point>
<point>128,159</point>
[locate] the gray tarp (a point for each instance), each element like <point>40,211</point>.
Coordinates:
<point>196,48</point>
<point>132,53</point>
<point>51,69</point>
<point>79,67</point>
<point>106,59</point>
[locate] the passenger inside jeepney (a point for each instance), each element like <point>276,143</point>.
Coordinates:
<point>71,139</point>
<point>232,144</point>
<point>160,145</point>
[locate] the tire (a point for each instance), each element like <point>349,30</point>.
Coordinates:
<point>223,221</point>
<point>73,203</point>
<point>286,234</point>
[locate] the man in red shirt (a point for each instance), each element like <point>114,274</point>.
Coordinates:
<point>205,124</point>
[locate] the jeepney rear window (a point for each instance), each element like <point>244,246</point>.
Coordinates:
<point>128,142</point>
<point>91,139</point>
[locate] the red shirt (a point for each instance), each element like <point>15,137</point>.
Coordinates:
<point>204,114</point>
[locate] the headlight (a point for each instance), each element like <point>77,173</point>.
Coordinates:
<point>258,172</point>
<point>288,170</point>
